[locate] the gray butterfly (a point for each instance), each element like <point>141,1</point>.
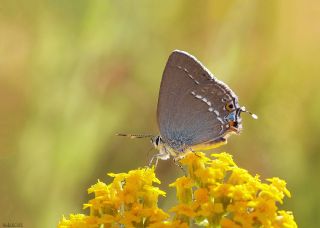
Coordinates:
<point>195,110</point>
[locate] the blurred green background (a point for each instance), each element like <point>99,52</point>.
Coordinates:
<point>74,73</point>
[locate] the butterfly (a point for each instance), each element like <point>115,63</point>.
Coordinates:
<point>195,110</point>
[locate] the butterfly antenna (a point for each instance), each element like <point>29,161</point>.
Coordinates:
<point>135,136</point>
<point>254,116</point>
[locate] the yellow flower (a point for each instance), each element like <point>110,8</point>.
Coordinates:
<point>222,190</point>
<point>228,223</point>
<point>194,162</point>
<point>215,193</point>
<point>184,209</point>
<point>184,189</point>
<point>130,200</point>
<point>285,219</point>
<point>224,159</point>
<point>78,221</point>
<point>201,195</point>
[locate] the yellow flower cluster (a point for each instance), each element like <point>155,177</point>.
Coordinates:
<point>217,193</point>
<point>129,201</point>
<point>214,193</point>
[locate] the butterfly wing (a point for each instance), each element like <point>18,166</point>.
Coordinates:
<point>191,106</point>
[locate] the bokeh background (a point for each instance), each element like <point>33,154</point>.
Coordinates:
<point>74,73</point>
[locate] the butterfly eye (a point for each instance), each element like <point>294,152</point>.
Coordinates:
<point>229,107</point>
<point>157,141</point>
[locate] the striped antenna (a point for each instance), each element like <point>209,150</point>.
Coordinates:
<point>254,116</point>
<point>135,136</point>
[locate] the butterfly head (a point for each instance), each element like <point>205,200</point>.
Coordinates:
<point>156,141</point>
<point>234,116</point>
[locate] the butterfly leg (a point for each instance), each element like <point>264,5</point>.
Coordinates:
<point>189,149</point>
<point>156,157</point>
<point>176,162</point>
<point>151,160</point>
<point>195,153</point>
